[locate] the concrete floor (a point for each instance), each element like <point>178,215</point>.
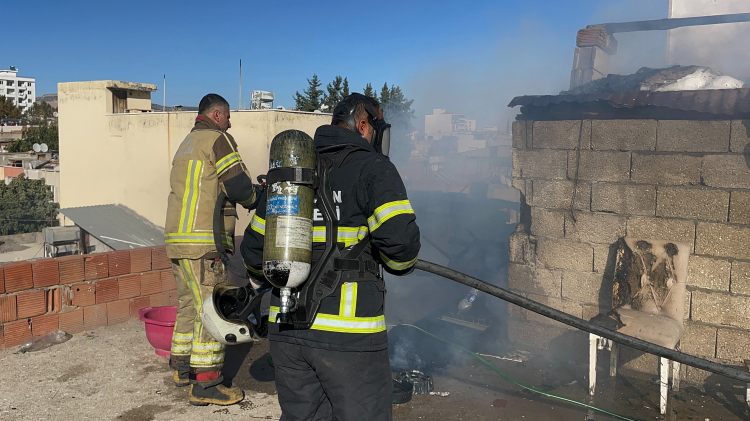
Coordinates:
<point>113,374</point>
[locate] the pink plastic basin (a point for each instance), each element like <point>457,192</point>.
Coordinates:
<point>159,326</point>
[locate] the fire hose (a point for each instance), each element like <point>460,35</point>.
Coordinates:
<point>584,325</point>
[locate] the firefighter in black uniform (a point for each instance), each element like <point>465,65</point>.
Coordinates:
<point>339,369</point>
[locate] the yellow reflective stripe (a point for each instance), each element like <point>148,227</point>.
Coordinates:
<point>196,195</point>
<point>227,162</point>
<point>388,211</point>
<point>182,336</point>
<point>348,306</point>
<point>196,237</point>
<point>192,193</point>
<point>347,235</point>
<point>193,285</point>
<point>253,270</point>
<point>397,265</point>
<point>216,346</point>
<point>181,347</point>
<point>208,360</point>
<point>258,225</point>
<point>334,323</point>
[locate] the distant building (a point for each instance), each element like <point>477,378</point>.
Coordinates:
<point>50,99</point>
<point>22,90</point>
<point>444,123</point>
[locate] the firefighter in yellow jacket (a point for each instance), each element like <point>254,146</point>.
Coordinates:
<point>206,162</point>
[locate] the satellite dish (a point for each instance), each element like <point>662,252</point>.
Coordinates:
<point>37,147</point>
<point>54,114</point>
<point>44,147</point>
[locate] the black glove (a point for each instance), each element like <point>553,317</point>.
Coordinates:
<point>259,190</point>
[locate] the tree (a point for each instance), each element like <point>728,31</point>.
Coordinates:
<point>8,109</point>
<point>370,92</point>
<point>334,95</point>
<point>311,100</point>
<point>46,133</point>
<point>345,88</point>
<point>397,111</point>
<point>38,114</point>
<point>384,94</point>
<point>25,206</point>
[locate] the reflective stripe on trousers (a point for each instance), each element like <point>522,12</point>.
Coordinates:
<point>345,321</point>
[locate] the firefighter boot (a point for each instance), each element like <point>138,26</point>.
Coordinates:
<point>216,394</point>
<point>180,372</point>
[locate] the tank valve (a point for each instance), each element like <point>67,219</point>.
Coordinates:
<point>288,305</point>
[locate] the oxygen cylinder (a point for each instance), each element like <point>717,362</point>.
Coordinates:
<point>287,249</point>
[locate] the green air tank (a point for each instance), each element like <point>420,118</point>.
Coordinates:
<point>287,250</point>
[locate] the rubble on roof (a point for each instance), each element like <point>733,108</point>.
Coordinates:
<point>675,78</point>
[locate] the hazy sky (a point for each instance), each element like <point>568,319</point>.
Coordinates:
<point>469,56</point>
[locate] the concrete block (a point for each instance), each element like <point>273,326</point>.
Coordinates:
<point>547,223</point>
<point>522,134</point>
<point>726,171</point>
<point>699,339</point>
<point>723,240</point>
<point>600,166</point>
<point>570,307</point>
<point>739,207</point>
<point>536,281</point>
<point>557,194</point>
<point>662,229</point>
<point>721,308</point>
<point>522,250</point>
<point>688,305</point>
<point>740,279</point>
<point>623,135</point>
<point>637,361</point>
<point>623,199</point>
<point>693,136</point>
<point>733,344</point>
<point>564,254</point>
<point>549,164</point>
<point>693,203</point>
<point>564,134</point>
<point>588,227</point>
<point>582,287</point>
<point>671,169</point>
<point>696,376</point>
<point>591,311</point>
<point>595,58</point>
<point>602,254</point>
<point>740,136</point>
<point>709,273</point>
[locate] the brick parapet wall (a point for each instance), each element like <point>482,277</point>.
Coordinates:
<point>684,181</point>
<point>77,293</point>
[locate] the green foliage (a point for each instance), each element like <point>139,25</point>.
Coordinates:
<point>397,111</point>
<point>8,109</point>
<point>345,88</point>
<point>334,95</point>
<point>369,91</point>
<point>46,133</point>
<point>385,96</point>
<point>311,100</point>
<point>37,114</point>
<point>25,206</point>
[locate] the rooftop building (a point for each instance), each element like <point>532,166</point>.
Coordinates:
<point>22,90</point>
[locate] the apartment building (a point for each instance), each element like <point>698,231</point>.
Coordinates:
<point>22,90</point>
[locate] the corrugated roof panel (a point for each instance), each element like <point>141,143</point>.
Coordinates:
<point>116,226</point>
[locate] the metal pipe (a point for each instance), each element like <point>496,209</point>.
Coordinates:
<point>581,324</point>
<point>665,24</point>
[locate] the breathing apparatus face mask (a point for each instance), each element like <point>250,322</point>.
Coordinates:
<point>381,137</point>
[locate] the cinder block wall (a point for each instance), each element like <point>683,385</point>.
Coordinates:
<point>682,181</point>
<point>77,293</point>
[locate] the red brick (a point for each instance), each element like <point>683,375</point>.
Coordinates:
<point>140,260</point>
<point>45,273</point>
<point>159,259</point>
<point>83,294</point>
<point>150,283</point>
<point>16,333</point>
<point>95,266</point>
<point>107,290</point>
<point>137,304</point>
<point>130,286</point>
<point>2,285</point>
<point>31,303</point>
<point>72,321</point>
<point>95,316</point>
<point>8,311</point>
<point>118,312</point>
<point>44,324</point>
<point>119,262</point>
<point>18,277</point>
<point>53,299</point>
<point>71,269</point>
<point>160,300</point>
<point>173,298</point>
<point>168,282</point>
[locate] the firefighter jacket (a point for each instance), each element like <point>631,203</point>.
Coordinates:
<point>370,201</point>
<point>206,161</point>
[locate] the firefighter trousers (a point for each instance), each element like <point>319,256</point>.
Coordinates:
<point>190,341</point>
<point>320,385</point>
